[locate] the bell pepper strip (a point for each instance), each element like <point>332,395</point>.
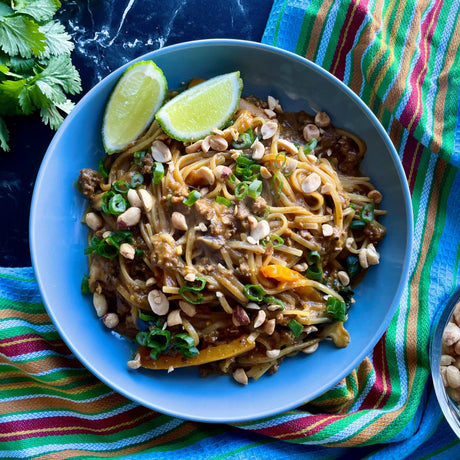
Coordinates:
<point>281,273</point>
<point>207,355</point>
<point>294,280</point>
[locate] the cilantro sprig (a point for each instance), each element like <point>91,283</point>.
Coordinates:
<point>36,71</point>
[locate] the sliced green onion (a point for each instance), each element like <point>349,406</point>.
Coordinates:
<point>185,345</point>
<point>276,241</point>
<point>276,185</point>
<point>192,197</point>
<point>352,206</point>
<point>244,160</point>
<point>310,146</point>
<point>224,201</point>
<point>146,317</point>
<point>295,327</point>
<point>367,213</point>
<point>138,252</point>
<point>105,201</point>
<point>314,272</point>
<point>232,179</point>
<point>280,160</point>
<point>254,292</point>
<point>353,266</point>
<point>357,224</point>
<point>198,285</point>
<point>117,204</point>
<point>158,172</point>
<point>136,180</point>
<point>141,338</point>
<point>84,286</point>
<point>184,340</point>
<point>155,352</point>
<point>269,300</point>
<point>102,169</point>
<point>336,308</point>
<point>241,190</point>
<point>137,158</point>
<point>245,140</point>
<point>121,186</point>
<point>191,295</point>
<point>255,189</point>
<point>159,338</point>
<point>313,257</point>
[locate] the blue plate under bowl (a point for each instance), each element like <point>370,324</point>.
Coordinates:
<point>57,239</point>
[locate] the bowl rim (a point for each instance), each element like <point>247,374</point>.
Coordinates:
<point>408,231</point>
<point>435,350</point>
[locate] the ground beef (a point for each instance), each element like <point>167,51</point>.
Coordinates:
<point>204,207</point>
<point>88,181</point>
<point>259,206</point>
<point>374,231</point>
<point>164,253</point>
<point>147,164</point>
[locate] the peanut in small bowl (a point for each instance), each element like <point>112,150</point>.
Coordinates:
<point>445,361</point>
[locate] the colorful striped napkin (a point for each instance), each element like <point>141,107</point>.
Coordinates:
<point>400,58</point>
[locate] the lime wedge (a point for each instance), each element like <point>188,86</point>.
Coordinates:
<point>137,96</point>
<point>194,113</point>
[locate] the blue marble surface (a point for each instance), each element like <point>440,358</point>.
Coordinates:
<point>108,34</point>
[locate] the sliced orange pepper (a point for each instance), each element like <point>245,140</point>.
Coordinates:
<point>281,273</point>
<point>207,355</point>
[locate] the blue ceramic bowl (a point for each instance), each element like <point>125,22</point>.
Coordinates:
<point>57,239</point>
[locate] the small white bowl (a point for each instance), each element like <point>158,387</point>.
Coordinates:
<point>449,407</point>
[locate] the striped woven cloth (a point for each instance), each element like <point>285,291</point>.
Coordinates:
<point>400,58</point>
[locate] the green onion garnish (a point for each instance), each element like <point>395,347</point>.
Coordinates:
<point>314,272</point>
<point>120,186</point>
<point>276,185</point>
<point>136,180</point>
<point>353,266</point>
<point>224,201</point>
<point>245,140</point>
<point>367,213</point>
<point>158,172</point>
<point>137,158</point>
<point>117,204</point>
<point>295,327</point>
<point>310,146</point>
<point>232,179</point>
<point>276,241</point>
<point>244,160</point>
<point>102,169</point>
<point>313,257</point>
<point>198,285</point>
<point>269,300</point>
<point>357,224</point>
<point>105,201</point>
<point>109,247</point>
<point>241,190</point>
<point>185,345</point>
<point>254,292</point>
<point>84,287</point>
<point>255,189</point>
<point>146,317</point>
<point>336,308</point>
<point>141,338</point>
<point>159,338</point>
<point>192,197</point>
<point>280,160</point>
<point>191,295</point>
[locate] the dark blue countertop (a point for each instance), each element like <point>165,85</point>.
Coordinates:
<point>108,34</point>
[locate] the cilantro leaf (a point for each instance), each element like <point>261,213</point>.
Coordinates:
<point>57,39</point>
<point>39,10</point>
<point>4,135</point>
<point>60,71</point>
<point>51,116</point>
<point>20,35</point>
